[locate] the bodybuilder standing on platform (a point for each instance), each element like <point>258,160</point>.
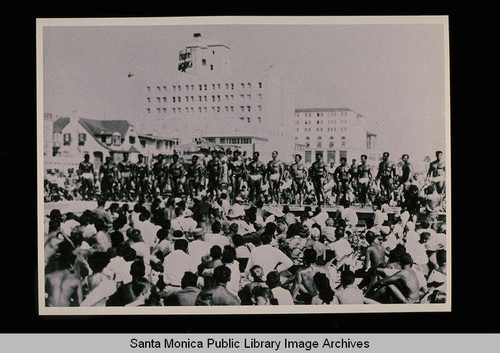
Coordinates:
<point>256,174</point>
<point>317,173</point>
<point>386,174</point>
<point>274,175</point>
<point>436,173</point>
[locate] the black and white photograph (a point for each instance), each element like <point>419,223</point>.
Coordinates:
<point>250,164</point>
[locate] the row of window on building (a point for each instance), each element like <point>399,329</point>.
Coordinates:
<point>204,86</point>
<point>330,155</point>
<point>218,109</point>
<point>308,115</point>
<point>320,129</point>
<point>115,139</point>
<point>320,122</point>
<point>215,98</point>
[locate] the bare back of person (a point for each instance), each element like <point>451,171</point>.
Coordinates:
<point>61,287</point>
<point>305,278</point>
<point>376,255</point>
<point>408,285</point>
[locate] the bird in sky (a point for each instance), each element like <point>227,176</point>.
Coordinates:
<point>130,75</point>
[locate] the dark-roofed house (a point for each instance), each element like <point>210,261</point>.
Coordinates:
<point>73,138</point>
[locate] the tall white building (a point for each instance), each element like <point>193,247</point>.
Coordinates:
<point>205,99</point>
<point>335,133</point>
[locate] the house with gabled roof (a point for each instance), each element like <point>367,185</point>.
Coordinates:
<point>73,138</point>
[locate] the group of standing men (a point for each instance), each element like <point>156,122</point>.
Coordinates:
<point>357,181</point>
<point>229,170</point>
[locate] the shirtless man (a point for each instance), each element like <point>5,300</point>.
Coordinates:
<point>386,174</point>
<point>274,176</point>
<point>374,258</point>
<point>238,171</point>
<point>64,286</point>
<point>108,175</point>
<point>125,173</point>
<point>176,174</point>
<point>213,173</point>
<point>87,178</point>
<point>160,173</point>
<point>317,173</point>
<point>436,172</point>
<point>141,174</point>
<point>342,179</point>
<point>402,287</point>
<point>304,282</point>
<point>353,172</point>
<point>194,177</point>
<point>364,178</point>
<point>298,172</point>
<point>406,178</point>
<point>256,174</point>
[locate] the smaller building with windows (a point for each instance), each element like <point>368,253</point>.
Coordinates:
<point>334,133</point>
<point>73,138</point>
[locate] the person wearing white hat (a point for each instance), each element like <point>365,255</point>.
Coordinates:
<point>236,215</point>
<point>183,221</point>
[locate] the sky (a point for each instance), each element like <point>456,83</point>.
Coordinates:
<point>393,74</point>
